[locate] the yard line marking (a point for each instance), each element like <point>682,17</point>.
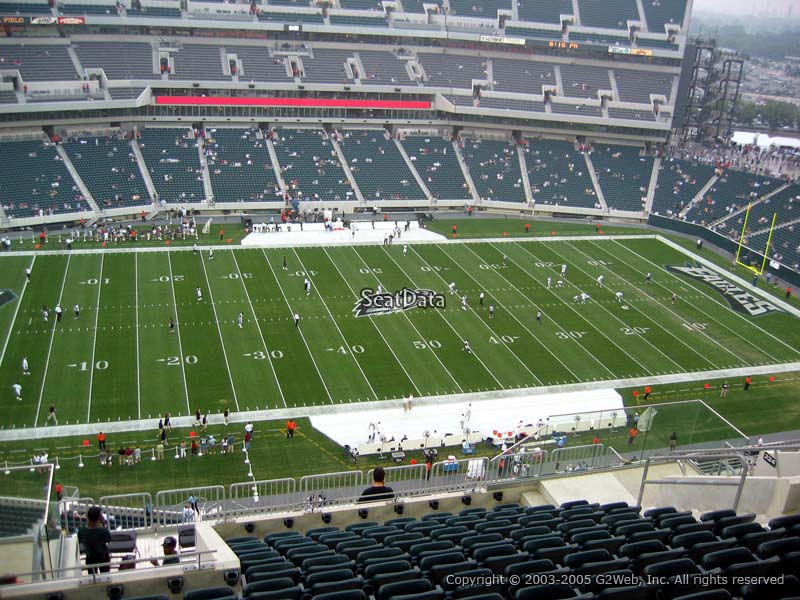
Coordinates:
<point>560,328</point>
<point>136,313</point>
<point>458,335</point>
<point>302,335</point>
<point>258,328</point>
<point>16,310</point>
<point>402,366</point>
<point>585,320</point>
<point>94,338</point>
<point>720,302</point>
<point>658,324</point>
<point>219,331</point>
<point>336,324</point>
<point>50,348</point>
<point>178,333</point>
<point>485,324</point>
<point>414,327</point>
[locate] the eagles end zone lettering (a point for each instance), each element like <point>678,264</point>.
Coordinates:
<point>739,300</point>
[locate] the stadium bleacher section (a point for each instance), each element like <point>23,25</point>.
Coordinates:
<point>679,181</point>
<point>494,168</point>
<point>121,60</point>
<point>630,113</point>
<point>733,190</point>
<point>486,9</point>
<point>532,32</point>
<point>583,82</point>
<point>637,86</point>
<point>41,183</point>
<point>25,8</point>
<point>39,62</point>
<point>199,62</point>
<point>437,164</point>
<point>623,175</point>
<point>8,97</point>
<point>240,166</point>
<point>358,20</point>
<point>125,93</point>
<point>155,11</point>
<point>609,14</point>
<point>544,11</point>
<point>310,166</point>
<point>558,174</point>
<point>361,4</point>
<point>88,9</point>
<point>172,157</point>
<point>506,551</point>
<point>652,43</point>
<point>452,70</point>
<point>418,6</point>
<point>659,13</point>
<point>526,77</point>
<point>258,65</point>
<point>108,167</point>
<point>378,167</point>
<point>581,110</point>
<point>383,68</point>
<point>327,66</point>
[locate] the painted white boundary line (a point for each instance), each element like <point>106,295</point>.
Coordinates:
<point>16,311</point>
<point>94,338</point>
<point>178,333</point>
<point>136,317</point>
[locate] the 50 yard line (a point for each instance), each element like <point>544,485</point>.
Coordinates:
<point>178,333</point>
<point>94,338</point>
<point>50,347</point>
<point>219,331</point>
<point>16,311</point>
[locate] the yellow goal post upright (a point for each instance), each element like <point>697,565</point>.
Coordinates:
<point>755,270</point>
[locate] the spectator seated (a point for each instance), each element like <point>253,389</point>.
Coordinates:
<point>732,191</point>
<point>679,181</point>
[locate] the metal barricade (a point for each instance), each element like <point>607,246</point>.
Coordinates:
<point>262,497</point>
<point>72,513</point>
<point>128,511</point>
<point>581,458</point>
<point>506,467</point>
<point>330,489</point>
<point>456,475</point>
<point>406,480</point>
<point>169,504</point>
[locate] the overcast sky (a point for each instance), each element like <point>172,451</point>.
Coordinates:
<point>748,7</point>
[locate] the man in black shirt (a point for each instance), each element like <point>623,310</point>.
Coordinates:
<point>378,490</point>
<point>94,538</point>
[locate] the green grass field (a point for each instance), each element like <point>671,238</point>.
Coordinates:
<point>119,361</point>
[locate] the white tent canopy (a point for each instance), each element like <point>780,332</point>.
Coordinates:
<point>762,140</point>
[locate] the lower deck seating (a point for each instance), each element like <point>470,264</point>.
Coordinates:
<point>240,166</point>
<point>437,164</point>
<point>494,168</point>
<point>41,183</point>
<point>558,174</point>
<point>172,157</point>
<point>623,174</point>
<point>679,181</point>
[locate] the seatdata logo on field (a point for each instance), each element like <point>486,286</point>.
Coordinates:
<point>739,300</point>
<point>7,297</point>
<point>372,303</point>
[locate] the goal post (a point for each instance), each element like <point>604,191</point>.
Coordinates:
<point>765,254</point>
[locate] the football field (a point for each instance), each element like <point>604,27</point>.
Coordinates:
<point>119,360</point>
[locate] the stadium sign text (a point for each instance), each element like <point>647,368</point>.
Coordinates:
<point>738,299</point>
<point>372,303</point>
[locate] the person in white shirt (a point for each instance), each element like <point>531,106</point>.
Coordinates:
<point>17,390</point>
<point>77,310</point>
<point>25,370</point>
<point>240,319</point>
<point>600,280</point>
<point>618,296</point>
<point>199,293</point>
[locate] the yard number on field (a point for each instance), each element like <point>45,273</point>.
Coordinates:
<point>634,330</point>
<point>421,344</point>
<point>356,349</point>
<point>174,361</point>
<point>261,355</point>
<point>167,278</point>
<point>236,276</point>
<point>570,335</point>
<point>696,326</point>
<point>100,365</point>
<point>508,339</point>
<point>94,281</point>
